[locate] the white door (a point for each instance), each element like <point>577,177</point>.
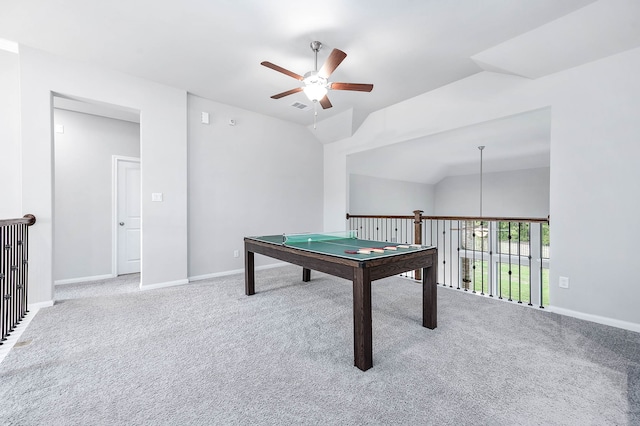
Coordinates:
<point>128,217</point>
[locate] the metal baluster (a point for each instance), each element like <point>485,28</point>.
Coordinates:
<point>431,236</point>
<point>3,284</point>
<point>489,243</point>
<point>374,229</point>
<point>18,266</point>
<point>386,229</point>
<point>509,239</point>
<point>406,232</point>
<point>473,276</point>
<point>519,266</point>
<point>530,271</point>
<point>424,230</point>
<point>466,259</point>
<point>444,251</point>
<point>450,256</point>
<point>25,269</point>
<point>458,256</point>
<point>9,279</point>
<point>21,273</point>
<point>14,272</point>
<point>541,268</point>
<point>499,261</point>
<point>482,258</point>
<point>10,293</point>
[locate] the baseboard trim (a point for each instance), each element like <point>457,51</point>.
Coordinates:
<point>596,318</point>
<point>37,306</point>
<point>83,279</point>
<point>215,275</point>
<point>164,284</point>
<point>235,271</point>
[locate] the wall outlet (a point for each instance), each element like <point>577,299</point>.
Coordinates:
<point>563,282</point>
<point>236,253</point>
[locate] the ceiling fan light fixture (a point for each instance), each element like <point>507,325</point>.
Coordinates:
<point>315,87</point>
<point>315,92</point>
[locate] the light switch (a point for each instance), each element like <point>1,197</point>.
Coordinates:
<point>204,117</point>
<point>156,196</point>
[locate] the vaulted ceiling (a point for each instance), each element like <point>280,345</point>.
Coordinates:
<point>213,48</point>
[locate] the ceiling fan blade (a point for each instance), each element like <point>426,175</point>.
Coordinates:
<point>282,70</point>
<point>352,86</point>
<point>325,102</point>
<point>332,62</point>
<point>287,93</point>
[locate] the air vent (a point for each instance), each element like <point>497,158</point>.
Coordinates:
<point>300,106</point>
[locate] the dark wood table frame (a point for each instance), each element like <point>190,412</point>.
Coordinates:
<point>361,273</point>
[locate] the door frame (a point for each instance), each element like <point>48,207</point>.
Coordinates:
<point>115,160</point>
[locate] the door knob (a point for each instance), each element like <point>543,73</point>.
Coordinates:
<point>121,223</point>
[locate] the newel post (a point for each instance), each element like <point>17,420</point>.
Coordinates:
<point>417,236</point>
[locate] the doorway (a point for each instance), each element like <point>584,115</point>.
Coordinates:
<point>86,137</point>
<point>127,215</point>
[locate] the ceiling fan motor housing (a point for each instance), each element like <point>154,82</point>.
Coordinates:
<point>316,45</point>
<point>313,79</point>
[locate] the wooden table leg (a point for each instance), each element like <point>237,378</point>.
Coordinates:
<point>362,335</point>
<point>249,276</point>
<point>306,275</point>
<point>430,297</point>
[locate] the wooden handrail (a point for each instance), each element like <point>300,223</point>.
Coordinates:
<point>28,219</point>
<point>461,218</point>
<point>490,219</point>
<point>367,216</point>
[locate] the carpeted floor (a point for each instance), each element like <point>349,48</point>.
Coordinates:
<point>206,354</point>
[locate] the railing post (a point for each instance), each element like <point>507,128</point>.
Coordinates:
<point>417,237</point>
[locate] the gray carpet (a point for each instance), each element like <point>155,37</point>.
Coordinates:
<point>206,354</point>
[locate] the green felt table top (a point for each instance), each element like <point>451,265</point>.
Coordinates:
<point>336,245</point>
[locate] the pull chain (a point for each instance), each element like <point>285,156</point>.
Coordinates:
<point>315,114</point>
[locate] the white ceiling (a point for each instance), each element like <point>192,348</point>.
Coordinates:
<point>213,49</point>
<point>511,143</point>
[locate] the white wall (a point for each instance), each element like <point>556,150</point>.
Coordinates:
<point>595,202</point>
<point>10,176</point>
<point>262,176</point>
<point>593,174</point>
<point>519,193</point>
<point>163,152</point>
<point>83,191</point>
<point>376,196</point>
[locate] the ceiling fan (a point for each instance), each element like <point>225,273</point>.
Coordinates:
<point>316,83</point>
